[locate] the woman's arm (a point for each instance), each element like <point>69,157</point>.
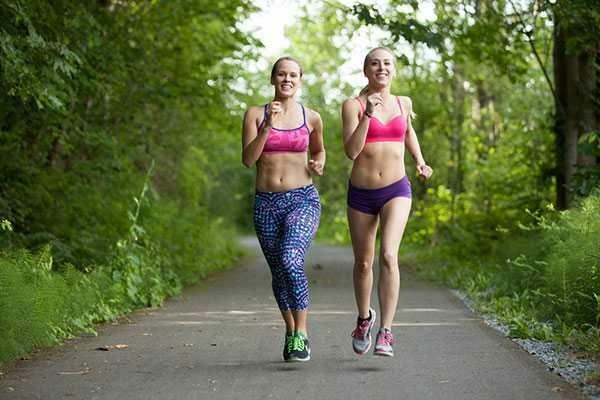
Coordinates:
<point>412,144</point>
<point>316,147</point>
<point>354,129</point>
<point>253,139</point>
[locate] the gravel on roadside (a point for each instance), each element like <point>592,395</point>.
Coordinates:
<point>557,358</point>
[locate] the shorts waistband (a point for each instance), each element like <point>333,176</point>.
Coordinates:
<point>364,190</point>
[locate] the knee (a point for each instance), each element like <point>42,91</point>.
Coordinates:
<point>388,260</point>
<point>291,259</point>
<point>363,266</point>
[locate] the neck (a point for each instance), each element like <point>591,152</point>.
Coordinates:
<point>383,91</point>
<point>286,102</point>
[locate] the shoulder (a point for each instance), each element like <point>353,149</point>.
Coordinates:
<point>254,111</point>
<point>313,117</point>
<point>405,100</point>
<point>352,103</point>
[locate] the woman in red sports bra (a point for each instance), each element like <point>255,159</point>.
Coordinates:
<point>285,141</point>
<point>376,131</point>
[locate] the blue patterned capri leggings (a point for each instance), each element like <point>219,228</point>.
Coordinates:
<point>286,223</point>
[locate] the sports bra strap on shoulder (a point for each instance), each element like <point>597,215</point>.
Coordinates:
<point>303,113</point>
<point>400,104</point>
<point>264,117</point>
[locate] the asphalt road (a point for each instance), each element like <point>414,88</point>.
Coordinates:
<point>222,339</point>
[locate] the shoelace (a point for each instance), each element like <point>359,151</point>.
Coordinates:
<point>290,343</point>
<point>385,338</point>
<point>361,330</point>
<point>298,343</point>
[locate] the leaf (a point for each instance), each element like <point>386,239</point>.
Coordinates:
<point>112,347</point>
<point>82,372</point>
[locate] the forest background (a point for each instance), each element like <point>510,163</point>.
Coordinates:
<point>121,179</point>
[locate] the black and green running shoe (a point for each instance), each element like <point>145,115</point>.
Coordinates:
<point>300,348</point>
<point>288,345</point>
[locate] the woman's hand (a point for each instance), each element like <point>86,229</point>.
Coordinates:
<point>373,101</point>
<point>315,167</point>
<point>424,171</point>
<point>274,111</point>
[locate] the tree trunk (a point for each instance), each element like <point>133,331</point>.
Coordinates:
<point>565,123</point>
<point>588,118</point>
<point>456,142</point>
<point>576,82</point>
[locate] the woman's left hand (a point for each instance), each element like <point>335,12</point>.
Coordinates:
<point>315,167</point>
<point>424,171</point>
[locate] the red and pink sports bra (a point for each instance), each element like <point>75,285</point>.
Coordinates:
<point>287,140</point>
<point>393,131</point>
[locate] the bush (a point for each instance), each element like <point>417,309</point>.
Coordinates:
<point>573,263</point>
<point>543,282</point>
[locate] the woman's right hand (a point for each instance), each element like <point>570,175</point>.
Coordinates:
<point>373,101</point>
<point>273,112</point>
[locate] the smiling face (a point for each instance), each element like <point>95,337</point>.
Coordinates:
<point>379,68</point>
<point>286,77</point>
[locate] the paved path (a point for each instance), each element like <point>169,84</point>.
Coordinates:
<point>222,339</point>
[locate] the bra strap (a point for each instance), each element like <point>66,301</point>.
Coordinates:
<point>399,104</point>
<point>264,117</point>
<point>402,109</point>
<point>303,113</point>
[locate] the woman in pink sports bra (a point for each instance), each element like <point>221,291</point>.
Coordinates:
<point>376,130</point>
<point>277,137</point>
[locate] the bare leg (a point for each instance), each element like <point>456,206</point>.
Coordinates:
<point>288,318</point>
<point>363,229</point>
<point>300,317</point>
<point>394,216</point>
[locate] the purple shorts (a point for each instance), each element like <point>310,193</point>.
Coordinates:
<point>371,201</point>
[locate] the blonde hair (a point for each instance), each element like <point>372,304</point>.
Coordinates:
<point>367,57</point>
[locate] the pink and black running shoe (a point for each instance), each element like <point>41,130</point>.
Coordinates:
<point>361,336</point>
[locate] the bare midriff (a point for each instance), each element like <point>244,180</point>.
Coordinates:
<point>278,172</point>
<point>378,164</point>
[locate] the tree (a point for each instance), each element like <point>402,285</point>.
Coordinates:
<point>576,65</point>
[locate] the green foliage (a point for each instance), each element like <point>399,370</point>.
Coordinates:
<point>42,303</point>
<point>198,246</point>
<point>401,24</point>
<point>573,272</point>
<point>582,18</point>
<point>587,177</point>
<point>543,283</point>
<point>90,95</point>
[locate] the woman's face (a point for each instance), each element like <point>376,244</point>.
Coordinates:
<point>286,79</point>
<point>379,68</point>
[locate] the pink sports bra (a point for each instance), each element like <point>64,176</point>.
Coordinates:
<point>393,131</point>
<point>287,140</point>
